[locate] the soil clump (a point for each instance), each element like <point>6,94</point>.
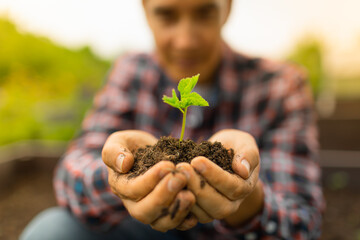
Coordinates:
<point>170,149</point>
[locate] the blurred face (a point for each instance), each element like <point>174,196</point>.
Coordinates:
<point>187,34</point>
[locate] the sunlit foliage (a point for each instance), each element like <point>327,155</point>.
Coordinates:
<point>45,89</point>
<point>309,52</point>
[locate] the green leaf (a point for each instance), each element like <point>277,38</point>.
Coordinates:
<point>193,99</point>
<point>172,101</point>
<point>186,85</point>
<point>188,98</point>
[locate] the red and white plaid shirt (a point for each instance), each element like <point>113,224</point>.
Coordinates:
<point>269,100</point>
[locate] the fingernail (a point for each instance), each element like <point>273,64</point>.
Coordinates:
<point>164,171</point>
<point>185,172</point>
<point>200,167</point>
<point>185,205</point>
<point>174,184</point>
<point>120,161</point>
<point>246,165</point>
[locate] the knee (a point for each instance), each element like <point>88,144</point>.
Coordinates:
<point>49,224</point>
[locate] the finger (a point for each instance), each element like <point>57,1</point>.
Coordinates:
<point>176,213</point>
<point>140,186</point>
<point>189,222</point>
<point>245,162</point>
<point>200,214</point>
<point>215,204</point>
<point>117,157</point>
<point>119,148</point>
<point>246,152</point>
<point>230,185</point>
<point>148,209</point>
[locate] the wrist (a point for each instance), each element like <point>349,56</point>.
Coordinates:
<point>249,208</point>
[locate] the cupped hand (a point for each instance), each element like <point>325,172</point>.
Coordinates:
<point>155,197</point>
<point>220,194</point>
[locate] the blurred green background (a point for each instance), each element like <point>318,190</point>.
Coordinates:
<point>45,88</point>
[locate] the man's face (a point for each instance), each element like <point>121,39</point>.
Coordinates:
<point>187,34</point>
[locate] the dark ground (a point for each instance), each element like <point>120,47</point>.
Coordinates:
<point>25,190</point>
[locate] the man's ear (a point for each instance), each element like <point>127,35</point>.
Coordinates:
<point>144,2</point>
<point>227,11</point>
<point>144,5</point>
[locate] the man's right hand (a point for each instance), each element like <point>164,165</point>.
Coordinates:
<point>154,198</point>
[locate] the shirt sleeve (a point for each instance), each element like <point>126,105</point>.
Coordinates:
<point>290,174</point>
<point>81,176</point>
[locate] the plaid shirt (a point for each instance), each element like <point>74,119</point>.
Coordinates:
<point>269,100</point>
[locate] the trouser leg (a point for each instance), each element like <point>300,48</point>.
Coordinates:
<point>58,224</point>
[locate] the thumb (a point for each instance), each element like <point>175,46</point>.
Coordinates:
<point>124,160</point>
<point>241,166</point>
<point>117,157</point>
<point>120,146</point>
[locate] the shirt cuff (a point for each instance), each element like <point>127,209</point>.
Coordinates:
<point>258,225</point>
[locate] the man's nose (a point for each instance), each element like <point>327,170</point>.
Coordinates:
<point>186,36</point>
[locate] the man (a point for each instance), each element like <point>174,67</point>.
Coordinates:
<point>259,108</point>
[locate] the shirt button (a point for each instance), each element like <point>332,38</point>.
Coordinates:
<point>250,236</point>
<point>271,227</point>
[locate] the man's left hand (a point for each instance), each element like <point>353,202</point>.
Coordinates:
<point>220,194</point>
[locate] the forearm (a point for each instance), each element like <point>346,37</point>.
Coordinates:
<point>81,186</point>
<point>250,207</point>
<point>283,216</point>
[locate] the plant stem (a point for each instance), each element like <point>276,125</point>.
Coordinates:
<point>183,125</point>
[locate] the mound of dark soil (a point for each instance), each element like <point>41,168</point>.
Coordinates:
<point>170,149</point>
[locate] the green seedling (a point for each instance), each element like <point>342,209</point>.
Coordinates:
<point>188,98</point>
